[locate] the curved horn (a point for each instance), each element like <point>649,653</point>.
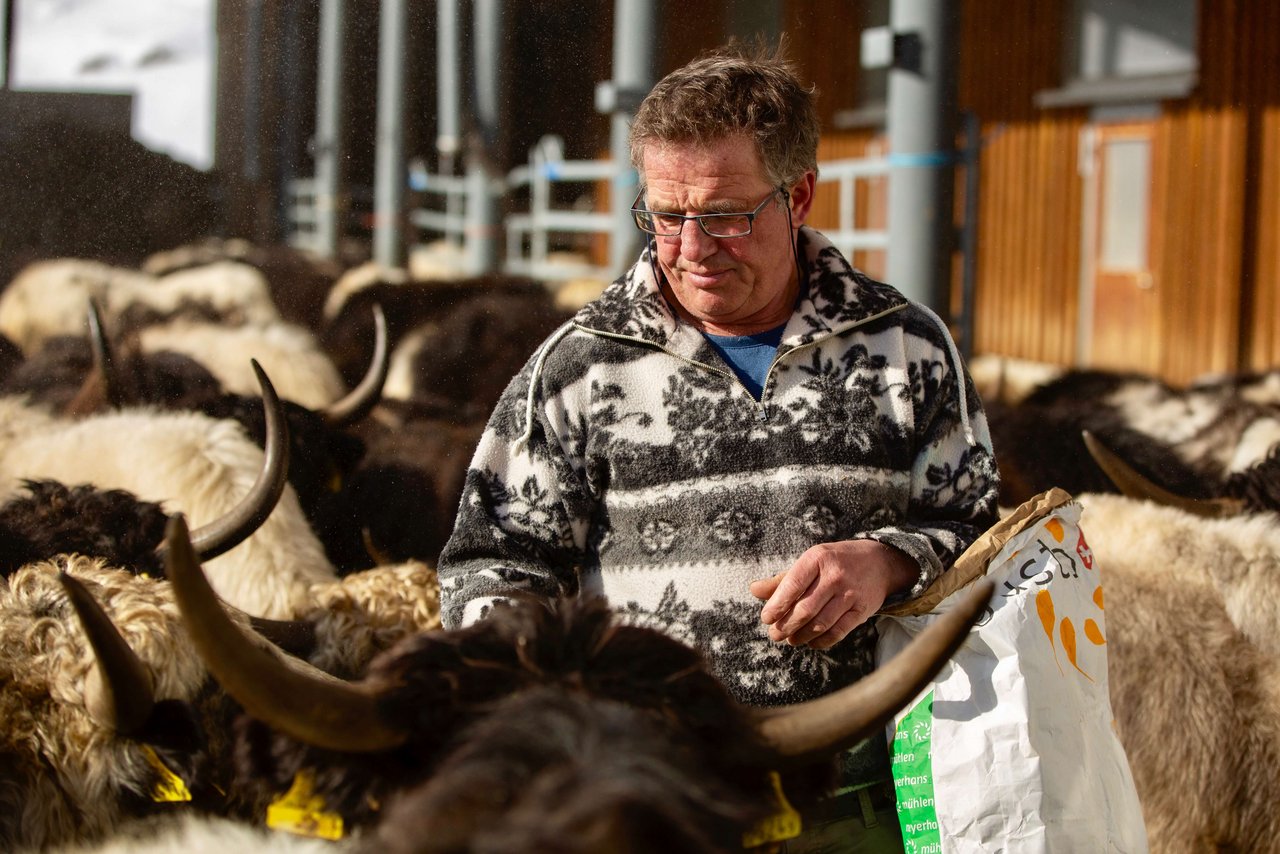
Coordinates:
<point>364,397</point>
<point>380,557</point>
<point>820,727</point>
<point>226,533</point>
<point>1135,485</point>
<point>118,693</point>
<point>286,694</point>
<point>105,362</point>
<point>296,637</point>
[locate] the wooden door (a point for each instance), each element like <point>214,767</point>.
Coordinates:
<point>1122,327</point>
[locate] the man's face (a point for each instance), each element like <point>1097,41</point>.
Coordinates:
<point>737,285</point>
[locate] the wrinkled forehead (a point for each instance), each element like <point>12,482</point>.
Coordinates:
<point>724,174</point>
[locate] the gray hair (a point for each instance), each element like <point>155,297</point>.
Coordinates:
<point>731,90</point>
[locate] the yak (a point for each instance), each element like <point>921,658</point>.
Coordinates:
<point>1193,631</point>
<point>112,730</point>
<point>300,369</point>
<point>91,739</point>
<point>47,298</point>
<point>497,734</point>
<point>1190,441</point>
<point>299,280</point>
<point>206,467</point>
<point>322,452</point>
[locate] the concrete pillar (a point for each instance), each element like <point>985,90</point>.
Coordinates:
<point>922,130</point>
<point>327,148</point>
<point>389,160</point>
<point>482,191</point>
<point>634,24</point>
<point>6,39</point>
<point>448,81</point>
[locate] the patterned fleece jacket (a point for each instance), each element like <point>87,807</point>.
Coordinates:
<point>626,459</point>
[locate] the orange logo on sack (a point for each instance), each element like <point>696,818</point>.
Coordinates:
<point>1065,629</point>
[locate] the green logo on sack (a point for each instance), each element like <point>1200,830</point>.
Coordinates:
<point>913,780</point>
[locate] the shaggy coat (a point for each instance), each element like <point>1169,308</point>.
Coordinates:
<point>48,518</point>
<point>1189,441</point>
<point>63,777</point>
<point>186,462</point>
<point>547,771</point>
<point>198,834</point>
<point>1193,633</point>
<point>322,460</point>
<point>49,297</point>
<point>469,699</point>
<point>1039,447</point>
<point>460,363</point>
<point>291,356</point>
<point>406,488</point>
<point>299,280</point>
<point>55,377</point>
<point>366,613</point>
<point>10,357</point>
<point>322,456</point>
<point>1258,486</point>
<point>348,332</point>
<point>447,709</point>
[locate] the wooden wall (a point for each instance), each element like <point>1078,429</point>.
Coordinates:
<point>1030,195</point>
<point>1215,228</point>
<point>1240,81</point>
<point>1216,192</point>
<point>1262,300</point>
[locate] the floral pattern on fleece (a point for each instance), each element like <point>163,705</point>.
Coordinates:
<point>648,474</point>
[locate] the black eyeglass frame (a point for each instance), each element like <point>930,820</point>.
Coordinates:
<point>640,215</point>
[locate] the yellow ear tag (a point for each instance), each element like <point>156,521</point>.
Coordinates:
<point>300,812</point>
<point>784,824</point>
<point>169,788</point>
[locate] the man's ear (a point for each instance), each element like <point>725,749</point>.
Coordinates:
<point>802,197</point>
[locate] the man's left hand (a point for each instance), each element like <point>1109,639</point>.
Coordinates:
<point>831,590</point>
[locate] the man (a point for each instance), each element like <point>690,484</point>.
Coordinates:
<point>740,418</point>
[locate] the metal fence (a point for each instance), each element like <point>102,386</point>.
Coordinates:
<point>847,175</point>
<point>547,239</point>
<point>303,205</point>
<point>302,211</point>
<point>530,234</point>
<point>446,215</point>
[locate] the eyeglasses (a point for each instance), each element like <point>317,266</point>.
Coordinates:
<point>712,224</point>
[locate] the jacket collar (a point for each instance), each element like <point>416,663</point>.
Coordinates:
<point>835,297</point>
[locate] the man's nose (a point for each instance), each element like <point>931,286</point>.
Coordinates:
<point>695,244</point>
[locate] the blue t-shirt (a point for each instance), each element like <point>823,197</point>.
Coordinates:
<point>749,355</point>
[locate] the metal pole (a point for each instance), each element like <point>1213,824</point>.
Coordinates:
<point>448,95</point>
<point>488,53</point>
<point>922,128</point>
<point>482,201</point>
<point>6,38</point>
<point>327,145</point>
<point>251,169</point>
<point>633,44</point>
<point>969,231</point>
<point>294,79</point>
<point>448,92</point>
<point>389,163</point>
